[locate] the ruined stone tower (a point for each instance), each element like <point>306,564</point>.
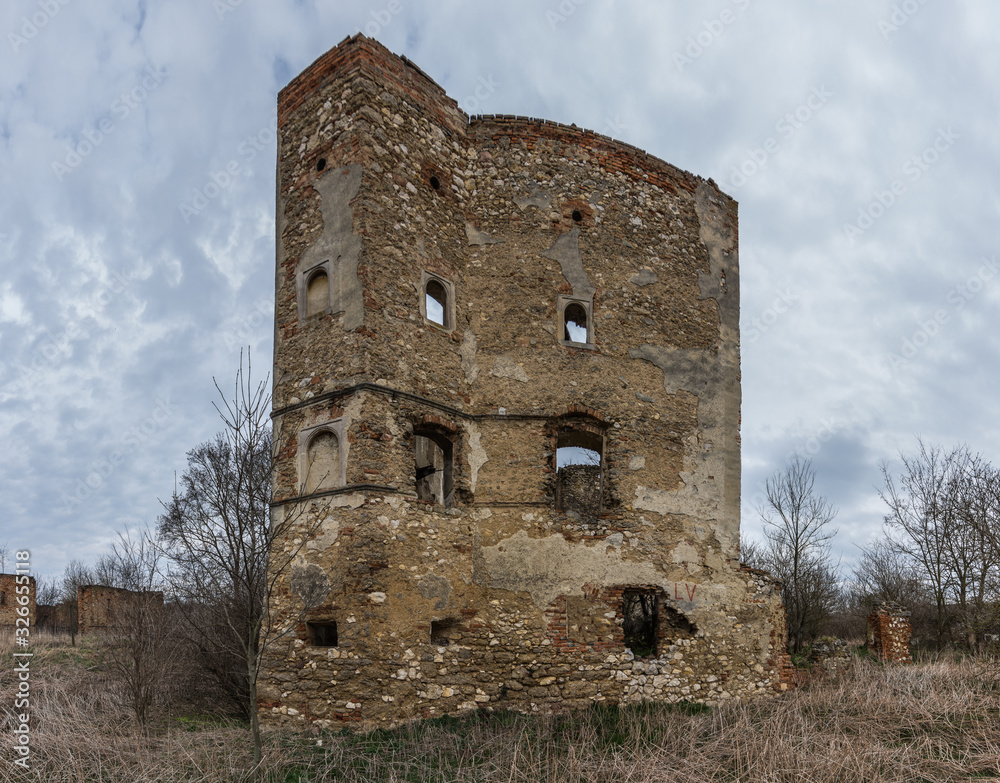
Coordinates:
<point>507,387</point>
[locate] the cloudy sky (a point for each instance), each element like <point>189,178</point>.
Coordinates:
<point>859,136</point>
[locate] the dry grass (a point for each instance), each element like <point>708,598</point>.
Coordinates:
<point>936,721</point>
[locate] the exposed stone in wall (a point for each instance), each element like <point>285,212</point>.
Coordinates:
<point>100,608</point>
<point>889,632</point>
<point>407,600</point>
<point>13,587</point>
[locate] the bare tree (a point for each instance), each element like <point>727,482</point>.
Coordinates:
<point>138,648</point>
<point>972,547</point>
<point>218,533</point>
<point>797,535</point>
<point>923,509</point>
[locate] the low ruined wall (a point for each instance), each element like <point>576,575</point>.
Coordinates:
<point>889,632</point>
<point>13,587</point>
<point>100,607</point>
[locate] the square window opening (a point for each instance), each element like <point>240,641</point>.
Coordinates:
<point>445,632</point>
<point>640,622</point>
<point>322,634</point>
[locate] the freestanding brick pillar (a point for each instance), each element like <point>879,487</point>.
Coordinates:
<point>889,632</point>
<point>506,414</point>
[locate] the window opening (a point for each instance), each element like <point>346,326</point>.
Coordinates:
<point>317,293</point>
<point>321,164</point>
<point>436,301</point>
<point>435,183</point>
<point>575,323</point>
<point>322,634</point>
<point>433,460</point>
<point>444,632</point>
<point>579,473</point>
<point>3,599</point>
<point>323,461</point>
<point>639,622</point>
<point>577,215</point>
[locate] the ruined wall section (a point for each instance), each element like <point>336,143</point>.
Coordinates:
<point>14,587</point>
<point>100,608</point>
<point>401,606</point>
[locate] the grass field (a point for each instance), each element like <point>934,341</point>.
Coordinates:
<point>931,721</point>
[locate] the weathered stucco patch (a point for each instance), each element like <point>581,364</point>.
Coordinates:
<point>338,243</point>
<point>477,454</point>
<point>477,237</point>
<point>552,566</point>
<point>467,350</point>
<point>505,367</point>
<point>645,276</point>
<point>566,250</point>
<point>656,500</point>
<point>435,588</point>
<point>309,582</point>
<point>538,198</point>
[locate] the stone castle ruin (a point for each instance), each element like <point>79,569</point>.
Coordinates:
<point>506,414</point>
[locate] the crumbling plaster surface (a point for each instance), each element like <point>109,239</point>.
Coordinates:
<point>339,244</point>
<point>566,250</point>
<point>551,566</point>
<point>517,216</point>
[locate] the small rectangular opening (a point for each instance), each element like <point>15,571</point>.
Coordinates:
<point>639,622</point>
<point>322,634</point>
<point>444,632</point>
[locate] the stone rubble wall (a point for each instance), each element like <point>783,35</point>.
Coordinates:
<point>500,598</point>
<point>889,632</point>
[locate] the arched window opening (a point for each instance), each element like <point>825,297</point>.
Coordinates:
<point>433,468</point>
<point>579,472</point>
<point>323,462</point>
<point>436,302</point>
<point>317,293</point>
<point>575,323</point>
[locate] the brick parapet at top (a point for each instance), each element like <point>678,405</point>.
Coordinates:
<point>368,57</point>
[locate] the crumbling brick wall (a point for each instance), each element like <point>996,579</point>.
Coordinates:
<point>889,632</point>
<point>100,607</point>
<point>457,300</point>
<point>13,588</point>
